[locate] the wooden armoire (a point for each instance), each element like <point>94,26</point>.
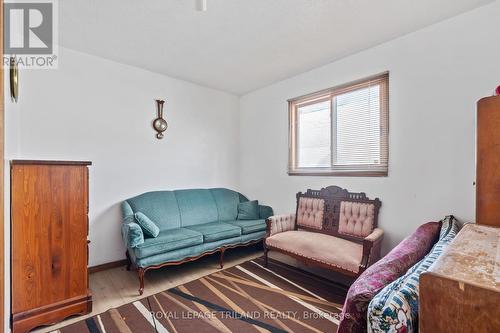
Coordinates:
<point>488,162</point>
<point>49,229</point>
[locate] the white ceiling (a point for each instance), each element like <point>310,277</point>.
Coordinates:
<point>241,45</point>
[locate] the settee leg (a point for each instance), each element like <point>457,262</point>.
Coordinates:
<point>129,262</point>
<point>141,272</point>
<point>265,256</point>
<point>221,258</point>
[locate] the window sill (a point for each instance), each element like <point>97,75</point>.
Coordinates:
<point>339,173</point>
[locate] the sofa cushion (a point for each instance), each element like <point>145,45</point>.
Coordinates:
<point>168,240</point>
<point>395,308</point>
<point>356,218</point>
<point>248,210</point>
<point>196,206</point>
<point>323,248</point>
<point>249,226</point>
<point>406,254</point>
<point>216,231</point>
<point>149,227</point>
<point>227,203</point>
<point>310,212</point>
<point>187,252</point>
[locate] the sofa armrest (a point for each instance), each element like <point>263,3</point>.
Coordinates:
<point>280,223</point>
<point>131,233</point>
<point>371,248</point>
<point>265,212</point>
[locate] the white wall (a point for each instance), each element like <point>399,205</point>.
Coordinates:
<point>99,110</point>
<point>436,77</point>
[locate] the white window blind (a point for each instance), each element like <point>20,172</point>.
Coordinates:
<point>342,130</point>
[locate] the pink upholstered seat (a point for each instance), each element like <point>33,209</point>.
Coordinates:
<point>323,248</point>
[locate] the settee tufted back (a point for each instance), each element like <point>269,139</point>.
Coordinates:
<point>310,212</point>
<point>356,218</point>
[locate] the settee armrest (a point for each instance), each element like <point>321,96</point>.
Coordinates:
<point>131,233</point>
<point>265,212</point>
<point>280,223</point>
<point>376,236</point>
<point>371,248</point>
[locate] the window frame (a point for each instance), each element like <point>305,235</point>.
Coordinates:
<point>360,170</point>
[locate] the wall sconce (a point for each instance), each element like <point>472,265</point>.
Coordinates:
<point>159,124</point>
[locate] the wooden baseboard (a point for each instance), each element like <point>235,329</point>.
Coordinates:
<point>51,314</point>
<point>108,265</point>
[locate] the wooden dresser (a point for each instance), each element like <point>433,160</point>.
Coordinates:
<point>461,292</point>
<point>488,161</point>
<point>49,228</point>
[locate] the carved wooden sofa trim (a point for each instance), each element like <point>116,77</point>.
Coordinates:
<point>331,228</point>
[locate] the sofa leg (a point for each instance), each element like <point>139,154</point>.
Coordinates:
<point>141,272</point>
<point>221,258</point>
<point>129,262</point>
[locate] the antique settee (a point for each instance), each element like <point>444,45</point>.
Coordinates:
<point>331,228</point>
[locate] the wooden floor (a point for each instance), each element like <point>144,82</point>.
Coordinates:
<point>114,287</point>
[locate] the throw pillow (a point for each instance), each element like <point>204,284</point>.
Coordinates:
<point>132,234</point>
<point>395,308</point>
<point>248,210</point>
<point>449,223</point>
<point>406,254</point>
<point>149,227</point>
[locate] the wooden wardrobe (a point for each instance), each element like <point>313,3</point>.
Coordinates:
<point>488,162</point>
<point>49,275</point>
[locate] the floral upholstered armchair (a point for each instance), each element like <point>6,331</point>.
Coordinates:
<point>331,228</point>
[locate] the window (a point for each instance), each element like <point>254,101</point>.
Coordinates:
<point>341,131</point>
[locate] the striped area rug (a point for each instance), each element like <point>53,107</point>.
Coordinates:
<point>243,298</point>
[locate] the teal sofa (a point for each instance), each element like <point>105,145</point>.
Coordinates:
<point>192,223</point>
